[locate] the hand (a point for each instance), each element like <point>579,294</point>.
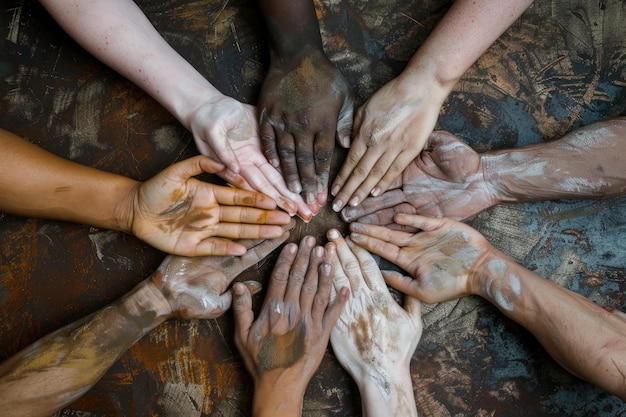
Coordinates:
<point>442,259</point>
<point>285,345</point>
<point>196,288</point>
<point>390,130</point>
<point>182,215</point>
<point>445,180</point>
<point>227,130</point>
<point>305,102</point>
<point>374,338</point>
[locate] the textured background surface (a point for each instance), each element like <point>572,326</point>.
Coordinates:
<point>561,66</point>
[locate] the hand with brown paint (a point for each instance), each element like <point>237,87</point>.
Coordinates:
<point>448,259</point>
<point>223,128</point>
<point>446,180</point>
<point>59,368</point>
<point>284,346</point>
<point>442,258</point>
<point>305,104</point>
<point>374,338</point>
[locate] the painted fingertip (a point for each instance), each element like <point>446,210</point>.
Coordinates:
<point>355,237</point>
<point>375,192</point>
<point>337,205</point>
<point>326,268</point>
<point>319,251</point>
<point>295,187</point>
<point>356,227</point>
<point>309,198</point>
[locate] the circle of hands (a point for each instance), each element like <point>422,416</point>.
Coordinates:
<point>279,167</point>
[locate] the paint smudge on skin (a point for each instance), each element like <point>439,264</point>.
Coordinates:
<point>503,293</point>
<point>282,351</point>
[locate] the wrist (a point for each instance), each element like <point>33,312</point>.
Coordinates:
<point>275,395</point>
<point>388,393</point>
<point>126,207</point>
<point>146,306</point>
<point>495,279</point>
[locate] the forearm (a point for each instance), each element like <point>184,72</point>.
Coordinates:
<point>119,34</point>
<point>62,366</point>
<point>584,338</point>
<point>388,394</point>
<point>292,26</point>
<point>36,183</point>
<point>464,33</point>
<point>587,163</point>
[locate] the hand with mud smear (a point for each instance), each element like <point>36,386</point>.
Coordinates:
<point>305,104</point>
<point>59,368</point>
<point>374,338</point>
<point>284,346</point>
<point>448,259</point>
<point>226,126</point>
<point>441,258</point>
<point>179,214</point>
<point>445,180</point>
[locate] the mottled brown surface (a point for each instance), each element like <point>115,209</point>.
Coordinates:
<point>560,67</point>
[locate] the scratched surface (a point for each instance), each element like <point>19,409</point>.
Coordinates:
<point>561,66</point>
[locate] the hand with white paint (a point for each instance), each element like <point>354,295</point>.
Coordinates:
<point>284,346</point>
<point>392,127</point>
<point>59,368</point>
<point>446,180</point>
<point>119,34</point>
<point>448,259</point>
<point>374,338</point>
<point>305,102</point>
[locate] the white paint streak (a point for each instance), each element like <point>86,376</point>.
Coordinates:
<point>504,288</point>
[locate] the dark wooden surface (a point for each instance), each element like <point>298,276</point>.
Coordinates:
<point>561,66</point>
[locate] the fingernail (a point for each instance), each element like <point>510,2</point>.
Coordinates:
<point>275,163</point>
<point>253,286</point>
<point>333,234</point>
<point>356,227</point>
<point>356,236</point>
<point>295,187</point>
<point>337,205</point>
<point>309,198</point>
<point>355,201</point>
<point>319,251</point>
<point>375,192</point>
<point>335,190</point>
<point>326,269</point>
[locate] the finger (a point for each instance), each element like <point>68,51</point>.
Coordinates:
<point>392,173</point>
<point>402,283</point>
<point>288,164</point>
<point>236,197</point>
<point>340,279</point>
<point>251,243</point>
<point>298,271</point>
<point>377,165</point>
<point>215,246</point>
<point>420,222</point>
<point>389,251</point>
<point>258,252</point>
<point>268,139</point>
<point>280,275</point>
<point>322,311</point>
<point>309,289</point>
<point>348,260</point>
<point>247,231</point>
<point>323,148</point>
<point>345,120</point>
<point>382,233</point>
<point>248,215</point>
<point>363,171</point>
<point>210,166</point>
<point>242,311</point>
<point>305,159</point>
<point>373,204</point>
<point>356,152</point>
<point>287,200</point>
<point>369,268</point>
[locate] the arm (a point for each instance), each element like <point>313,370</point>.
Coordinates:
<point>61,367</point>
<point>375,338</point>
<point>459,182</point>
<point>448,260</point>
<point>305,101</point>
<point>283,348</point>
<point>391,128</point>
<point>173,211</point>
<point>120,35</point>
